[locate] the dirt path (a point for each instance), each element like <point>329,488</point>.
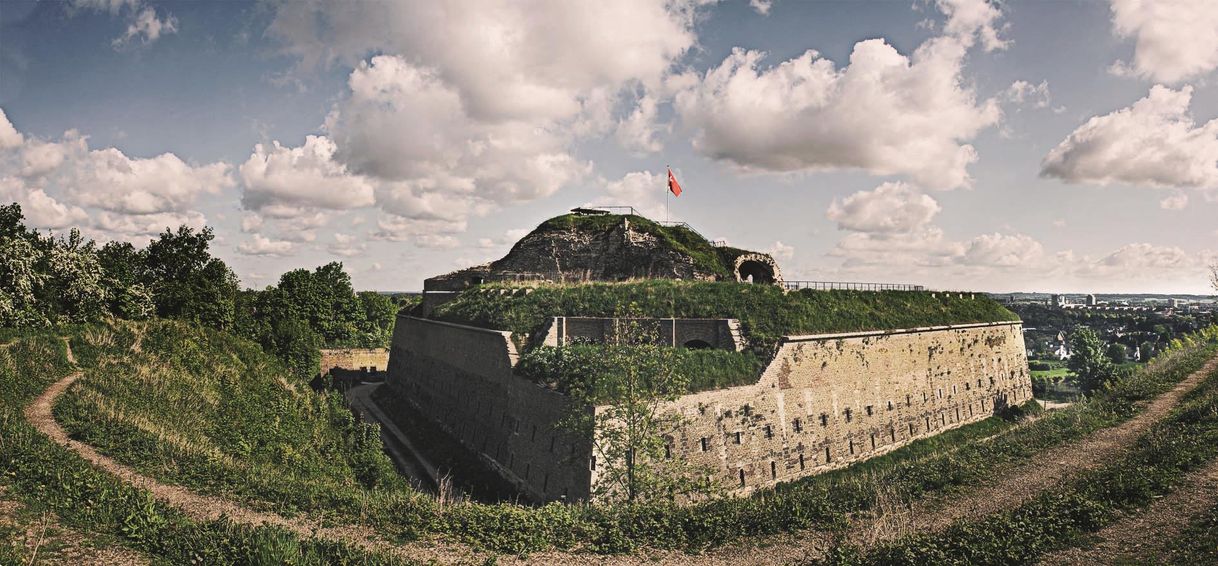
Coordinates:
<point>1008,490</point>
<point>206,508</point>
<point>1143,535</point>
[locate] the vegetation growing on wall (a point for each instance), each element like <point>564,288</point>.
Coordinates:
<point>580,366</point>
<point>766,312</point>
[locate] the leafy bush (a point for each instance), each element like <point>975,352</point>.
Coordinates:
<point>563,368</point>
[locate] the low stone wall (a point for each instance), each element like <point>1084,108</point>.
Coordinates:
<point>370,359</point>
<point>829,400</point>
<point>461,378</point>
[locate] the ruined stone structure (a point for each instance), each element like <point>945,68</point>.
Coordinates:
<point>822,402</point>
<point>355,359</point>
<point>608,248</point>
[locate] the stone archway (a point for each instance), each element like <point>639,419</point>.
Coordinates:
<point>757,268</point>
<point>697,345</point>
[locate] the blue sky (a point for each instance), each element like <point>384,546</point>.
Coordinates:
<point>960,144</point>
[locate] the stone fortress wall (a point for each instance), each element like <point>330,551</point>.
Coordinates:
<point>823,402</point>
<point>826,401</point>
<point>460,377</point>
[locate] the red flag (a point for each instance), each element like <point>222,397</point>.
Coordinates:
<point>673,185</point>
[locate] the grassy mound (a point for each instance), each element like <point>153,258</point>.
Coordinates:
<point>766,312</point>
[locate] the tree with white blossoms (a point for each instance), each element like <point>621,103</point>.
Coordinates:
<point>74,284</point>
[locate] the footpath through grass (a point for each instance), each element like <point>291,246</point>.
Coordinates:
<point>313,462</point>
<point>1183,442</point>
<point>48,477</point>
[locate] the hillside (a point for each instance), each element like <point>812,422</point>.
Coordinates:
<point>766,312</point>
<point>210,413</point>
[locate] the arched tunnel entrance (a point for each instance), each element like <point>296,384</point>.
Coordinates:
<point>756,272</point>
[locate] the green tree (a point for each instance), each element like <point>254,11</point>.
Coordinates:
<point>620,404</point>
<point>325,299</point>
<point>187,282</point>
<point>1088,360</point>
<point>123,275</point>
<point>379,312</point>
<point>1117,353</point>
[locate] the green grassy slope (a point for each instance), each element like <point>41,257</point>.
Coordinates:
<point>212,411</point>
<point>765,311</point>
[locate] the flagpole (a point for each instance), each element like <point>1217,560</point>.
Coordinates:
<point>667,172</point>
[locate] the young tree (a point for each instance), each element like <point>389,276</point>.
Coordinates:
<point>632,433</point>
<point>1087,360</point>
<point>1117,354</point>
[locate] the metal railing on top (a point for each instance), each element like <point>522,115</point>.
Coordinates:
<point>631,209</point>
<point>850,286</point>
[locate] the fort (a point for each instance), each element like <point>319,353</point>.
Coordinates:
<point>844,375</point>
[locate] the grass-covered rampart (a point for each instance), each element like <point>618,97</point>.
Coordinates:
<point>47,477</point>
<point>766,312</point>
<point>572,366</point>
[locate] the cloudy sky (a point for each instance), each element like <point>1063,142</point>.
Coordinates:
<point>960,144</point>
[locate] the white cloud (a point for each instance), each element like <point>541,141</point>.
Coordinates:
<point>1175,40</point>
<point>639,132</point>
<point>884,113</point>
<point>142,226</point>
<point>1178,200</point>
<point>1024,93</point>
<point>109,180</point>
<point>143,23</point>
<point>39,158</point>
<point>147,27</point>
<point>1152,143</point>
<point>1002,250</point>
<point>534,59</point>
<point>889,208</point>
<point>9,136</point>
<point>40,210</point>
<point>263,246</point>
<point>251,222</point>
<point>781,251</point>
<point>347,245</point>
<point>57,182</point>
<point>968,19</point>
<point>761,6</point>
<point>285,179</point>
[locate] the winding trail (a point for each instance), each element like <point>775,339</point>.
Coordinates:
<point>208,508</point>
<point>1006,490</point>
<point>1143,535</point>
